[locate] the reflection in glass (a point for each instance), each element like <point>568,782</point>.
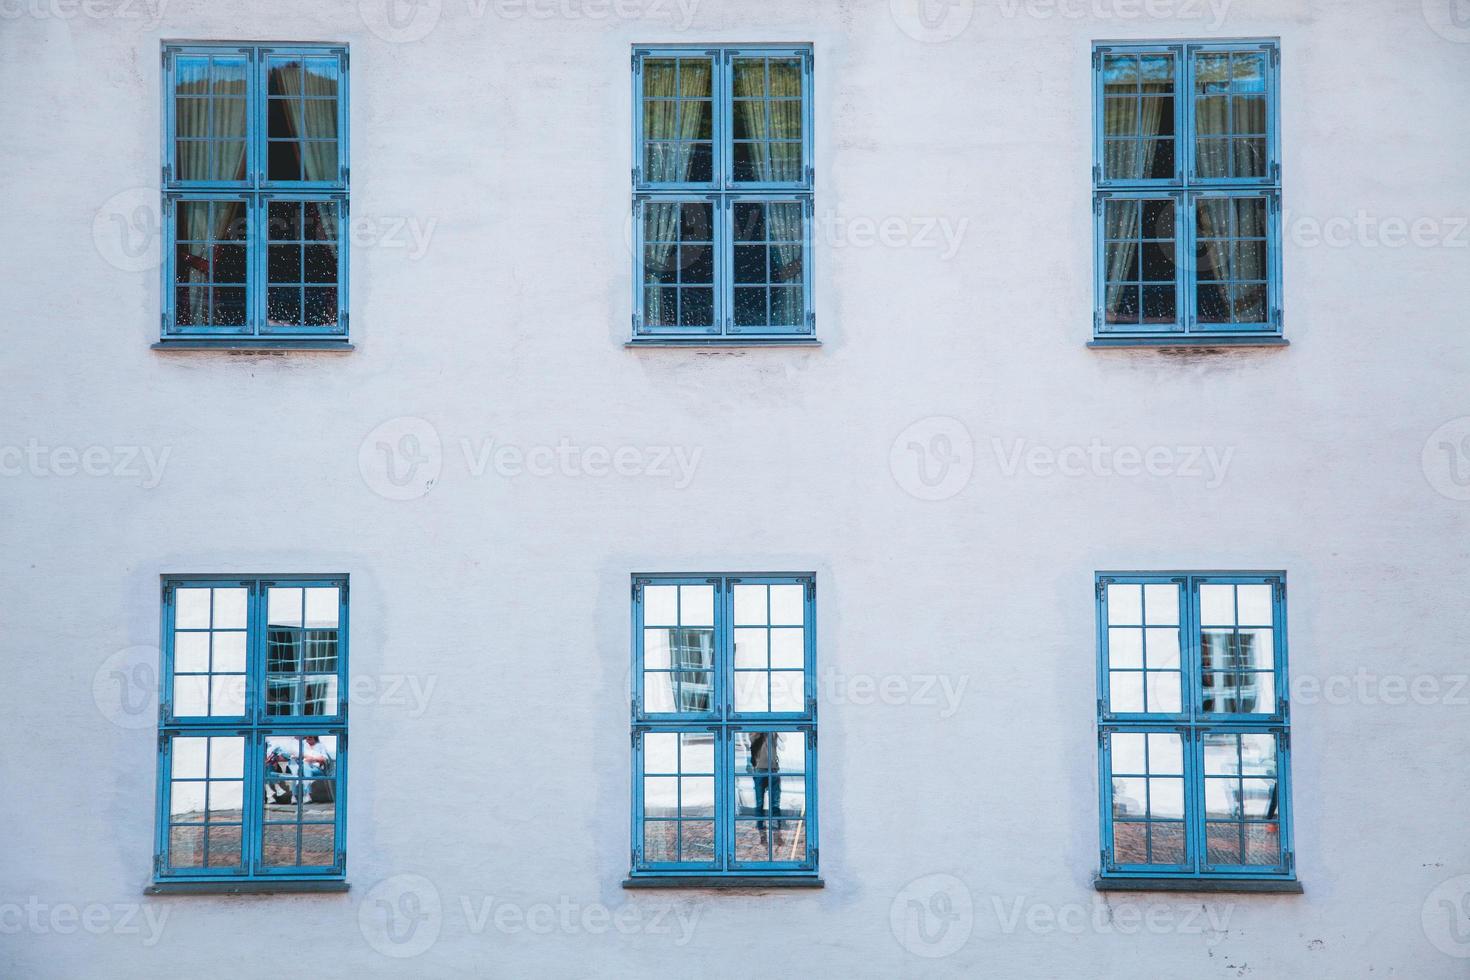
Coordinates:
<point>300,800</point>
<point>206,786</point>
<point>770,791</point>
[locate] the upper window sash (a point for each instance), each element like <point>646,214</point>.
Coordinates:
<point>234,654</point>
<point>741,136</point>
<point>759,663</point>
<point>1221,668</point>
<point>1203,99</point>
<point>243,116</point>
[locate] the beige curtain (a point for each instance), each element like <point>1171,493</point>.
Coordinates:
<point>1121,221</point>
<point>663,121</point>
<point>312,117</point>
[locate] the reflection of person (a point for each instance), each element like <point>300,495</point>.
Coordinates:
<point>765,751</point>
<point>316,765</point>
<point>277,791</point>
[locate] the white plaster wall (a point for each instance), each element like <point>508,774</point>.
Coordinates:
<point>506,136</point>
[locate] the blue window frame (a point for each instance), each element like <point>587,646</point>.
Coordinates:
<point>255,200</point>
<point>724,725</point>
<point>1194,727</point>
<point>1187,192</point>
<point>252,736</point>
<point>722,194</point>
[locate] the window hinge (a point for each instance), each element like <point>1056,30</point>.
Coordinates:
<point>1096,321</point>
<point>1102,583</point>
<point>1289,857</point>
<point>167,171</point>
<point>163,322</point>
<point>1102,733</point>
<point>1286,739</point>
<point>1097,201</point>
<point>1096,60</point>
<point>633,738</point>
<point>633,707</point>
<point>346,59</point>
<point>637,176</point>
<point>1102,858</point>
<point>811,176</point>
<point>811,707</point>
<point>637,62</point>
<point>811,589</point>
<point>346,176</point>
<point>162,741</point>
<point>812,734</point>
<point>1275,173</point>
<point>344,319</point>
<point>1275,55</point>
<point>1280,585</point>
<point>1096,173</point>
<point>637,584</point>
<point>158,864</point>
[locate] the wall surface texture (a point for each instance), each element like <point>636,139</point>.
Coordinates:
<point>491,299</point>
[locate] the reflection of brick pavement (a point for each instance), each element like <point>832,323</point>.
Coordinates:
<point>316,837</point>
<point>1262,843</point>
<point>787,842</point>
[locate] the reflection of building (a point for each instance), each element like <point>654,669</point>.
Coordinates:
<point>692,655</point>
<point>1230,684</point>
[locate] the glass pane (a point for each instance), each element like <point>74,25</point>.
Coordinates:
<point>769,266</point>
<point>678,264</point>
<point>1125,691</point>
<point>1125,605</point>
<point>206,801</point>
<point>678,112</point>
<point>1162,604</point>
<point>300,800</point>
<point>678,658</point>
<point>766,113</point>
<point>1125,647</point>
<point>209,652</point>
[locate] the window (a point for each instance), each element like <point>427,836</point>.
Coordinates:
<point>1193,725</point>
<point>252,740</point>
<point>255,194</point>
<point>722,194</point>
<point>724,726</point>
<point>1187,192</point>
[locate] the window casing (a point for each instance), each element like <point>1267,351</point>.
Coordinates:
<point>722,194</point>
<point>255,194</point>
<point>1187,192</point>
<point>724,732</point>
<point>252,736</point>
<point>1194,736</point>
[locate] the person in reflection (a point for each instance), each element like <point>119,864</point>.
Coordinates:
<point>765,751</point>
<point>277,791</point>
<point>317,765</point>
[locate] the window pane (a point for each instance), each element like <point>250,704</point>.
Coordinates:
<point>206,801</point>
<point>211,250</point>
<point>300,794</point>
<point>301,119</point>
<point>1230,114</point>
<point>1232,259</point>
<point>770,652</point>
<point>678,112</point>
<point>1140,276</point>
<point>1148,797</point>
<point>209,652</point>
<point>678,649</point>
<point>678,264</point>
<point>302,259</point>
<point>1138,116</point>
<point>678,797</point>
<point>301,652</point>
<point>769,240</point>
<point>767,118</point>
<point>770,789</point>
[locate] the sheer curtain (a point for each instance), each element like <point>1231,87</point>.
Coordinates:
<point>1130,158</point>
<point>682,122</point>
<point>314,116</point>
